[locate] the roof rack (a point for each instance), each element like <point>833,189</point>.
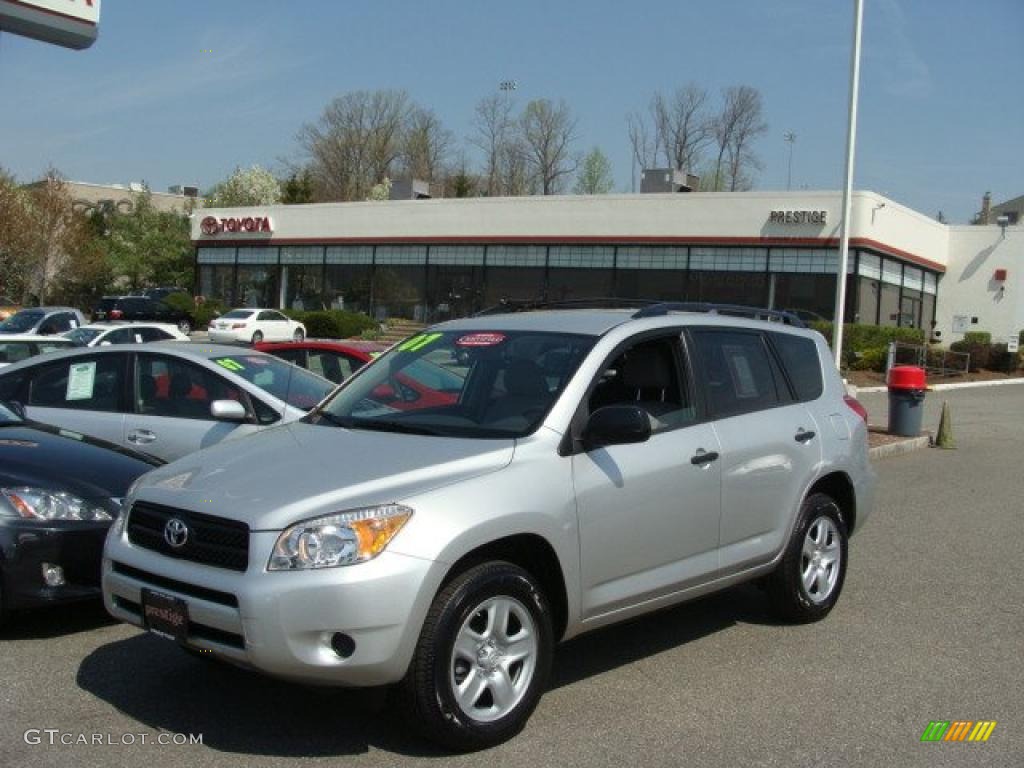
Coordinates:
<point>528,305</point>
<point>732,310</point>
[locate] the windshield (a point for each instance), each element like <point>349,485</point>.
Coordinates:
<point>22,321</point>
<point>295,386</point>
<point>481,384</point>
<point>8,416</point>
<point>236,314</point>
<point>82,336</point>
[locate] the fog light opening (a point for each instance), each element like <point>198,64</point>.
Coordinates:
<point>53,575</point>
<point>343,645</point>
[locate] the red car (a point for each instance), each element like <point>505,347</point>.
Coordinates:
<point>429,386</point>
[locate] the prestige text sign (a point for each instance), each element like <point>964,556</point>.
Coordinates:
<point>798,217</point>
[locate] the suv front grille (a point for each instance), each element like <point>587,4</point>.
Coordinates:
<point>210,540</point>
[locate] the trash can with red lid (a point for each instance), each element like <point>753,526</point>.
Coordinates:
<point>907,385</point>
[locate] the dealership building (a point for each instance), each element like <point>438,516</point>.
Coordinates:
<point>429,260</point>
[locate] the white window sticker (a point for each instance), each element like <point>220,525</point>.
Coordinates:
<point>81,381</point>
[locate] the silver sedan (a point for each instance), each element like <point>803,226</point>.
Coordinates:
<point>168,398</point>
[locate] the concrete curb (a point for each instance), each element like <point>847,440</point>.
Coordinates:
<point>945,387</point>
<point>895,449</point>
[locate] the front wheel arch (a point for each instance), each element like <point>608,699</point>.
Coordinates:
<point>535,555</point>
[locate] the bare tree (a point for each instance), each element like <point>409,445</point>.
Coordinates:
<point>355,143</point>
<point>644,146</point>
<point>426,146</point>
<point>735,128</point>
<point>547,133</point>
<point>683,128</point>
<point>493,128</point>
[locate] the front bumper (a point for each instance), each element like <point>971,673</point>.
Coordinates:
<point>282,623</point>
<point>76,547</point>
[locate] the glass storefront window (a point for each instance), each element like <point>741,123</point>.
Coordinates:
<point>303,286</point>
<point>454,290</point>
<point>399,291</point>
<point>810,293</point>
<point>348,286</point>
<point>257,286</point>
<point>216,282</point>
<point>747,288</point>
<point>516,283</point>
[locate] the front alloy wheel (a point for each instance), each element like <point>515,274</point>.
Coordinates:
<point>806,584</point>
<point>298,336</point>
<point>257,337</point>
<point>482,660</point>
<point>185,327</point>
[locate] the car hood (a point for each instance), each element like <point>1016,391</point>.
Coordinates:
<point>277,477</point>
<point>42,456</point>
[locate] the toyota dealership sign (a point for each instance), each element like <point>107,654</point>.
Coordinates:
<point>70,23</point>
<point>211,226</point>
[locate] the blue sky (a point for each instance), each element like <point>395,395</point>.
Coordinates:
<point>185,91</point>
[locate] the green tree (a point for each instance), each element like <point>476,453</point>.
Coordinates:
<point>595,176</point>
<point>147,246</point>
<point>297,188</point>
<point>246,187</point>
<point>15,228</point>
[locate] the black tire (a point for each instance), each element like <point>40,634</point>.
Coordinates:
<point>185,327</point>
<point>257,337</point>
<point>426,697</point>
<point>298,336</point>
<point>790,599</point>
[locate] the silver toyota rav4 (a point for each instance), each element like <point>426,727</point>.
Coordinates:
<point>494,485</point>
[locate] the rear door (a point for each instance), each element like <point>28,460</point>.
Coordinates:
<point>170,416</point>
<point>770,445</point>
<point>84,394</point>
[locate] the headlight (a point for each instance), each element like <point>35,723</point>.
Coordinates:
<point>341,539</point>
<point>41,504</point>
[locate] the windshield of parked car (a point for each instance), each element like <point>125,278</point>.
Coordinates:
<point>483,384</point>
<point>236,314</point>
<point>295,386</point>
<point>82,336</point>
<point>22,321</point>
<point>8,416</point>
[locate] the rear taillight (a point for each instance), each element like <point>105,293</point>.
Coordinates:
<point>116,314</point>
<point>856,407</point>
<point>236,326</point>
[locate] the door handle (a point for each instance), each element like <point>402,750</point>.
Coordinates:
<point>702,458</point>
<point>141,437</point>
<point>803,436</point>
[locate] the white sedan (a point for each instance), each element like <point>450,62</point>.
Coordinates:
<point>105,334</point>
<point>255,325</point>
<point>15,348</point>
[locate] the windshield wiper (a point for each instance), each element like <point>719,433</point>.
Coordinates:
<point>379,425</point>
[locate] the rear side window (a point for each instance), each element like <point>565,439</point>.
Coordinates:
<point>736,371</point>
<point>88,384</point>
<point>800,359</point>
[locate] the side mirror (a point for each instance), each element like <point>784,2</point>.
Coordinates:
<point>616,425</point>
<point>228,410</point>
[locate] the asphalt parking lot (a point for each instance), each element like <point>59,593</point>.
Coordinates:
<point>930,627</point>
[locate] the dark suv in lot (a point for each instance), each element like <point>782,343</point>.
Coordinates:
<point>141,308</point>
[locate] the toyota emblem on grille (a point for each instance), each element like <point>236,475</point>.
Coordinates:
<point>176,533</point>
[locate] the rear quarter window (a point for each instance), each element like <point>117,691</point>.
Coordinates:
<point>799,358</point>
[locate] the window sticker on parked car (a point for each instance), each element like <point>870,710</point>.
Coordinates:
<point>230,364</point>
<point>419,342</point>
<point>81,381</point>
<point>480,340</point>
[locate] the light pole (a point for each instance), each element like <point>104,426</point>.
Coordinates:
<point>844,226</point>
<point>790,138</point>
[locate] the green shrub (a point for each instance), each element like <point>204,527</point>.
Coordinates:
<point>201,313</point>
<point>978,345</point>
<point>977,337</point>
<point>866,347</point>
<point>332,323</point>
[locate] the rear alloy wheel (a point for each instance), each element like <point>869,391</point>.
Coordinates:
<point>482,661</point>
<point>185,327</point>
<point>299,335</point>
<point>257,337</point>
<point>807,582</point>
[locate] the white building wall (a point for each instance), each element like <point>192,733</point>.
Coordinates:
<point>710,215</point>
<point>968,289</point>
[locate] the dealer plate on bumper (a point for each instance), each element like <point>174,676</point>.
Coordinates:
<point>165,615</point>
